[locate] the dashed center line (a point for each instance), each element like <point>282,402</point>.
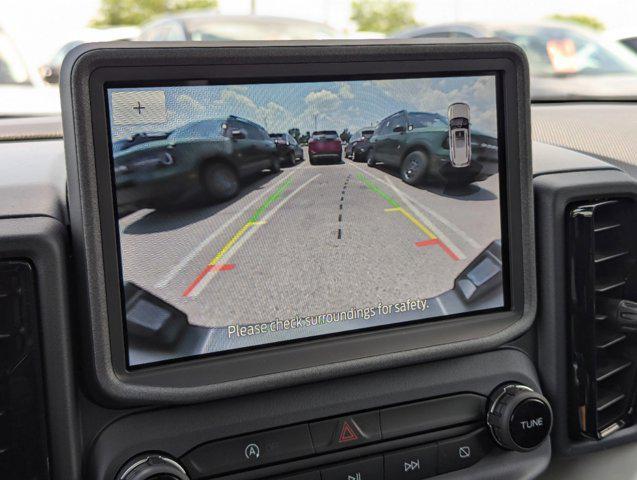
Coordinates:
<point>339,234</point>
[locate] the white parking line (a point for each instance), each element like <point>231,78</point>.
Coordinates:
<point>457,230</point>
<point>198,249</point>
<point>230,253</point>
<point>459,253</point>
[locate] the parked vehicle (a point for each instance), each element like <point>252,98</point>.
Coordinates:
<point>50,71</point>
<point>357,147</point>
<point>288,148</point>
<point>158,170</point>
<point>630,42</point>
<point>417,145</point>
<point>22,93</point>
<point>566,62</point>
<point>210,26</point>
<point>325,145</point>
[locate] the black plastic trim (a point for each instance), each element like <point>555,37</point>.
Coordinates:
<point>42,241</point>
<point>553,194</point>
<point>177,430</point>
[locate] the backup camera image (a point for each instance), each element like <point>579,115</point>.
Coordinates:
<point>262,213</point>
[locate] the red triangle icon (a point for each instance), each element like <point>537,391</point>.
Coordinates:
<point>348,434</point>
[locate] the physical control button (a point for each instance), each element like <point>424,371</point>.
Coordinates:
<point>519,418</point>
<point>152,466</point>
<point>249,451</point>
<point>345,432</point>
<point>462,452</point>
<point>368,469</point>
<point>431,414</point>
<point>411,463</point>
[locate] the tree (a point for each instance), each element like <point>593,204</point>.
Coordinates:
<point>385,16</point>
<point>581,20</point>
<point>303,139</point>
<point>345,135</point>
<point>136,12</point>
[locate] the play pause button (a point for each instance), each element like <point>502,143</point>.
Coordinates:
<point>411,464</point>
<point>367,469</point>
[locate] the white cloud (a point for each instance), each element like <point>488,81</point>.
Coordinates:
<point>345,91</point>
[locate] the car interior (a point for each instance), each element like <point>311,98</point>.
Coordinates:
<point>319,259</point>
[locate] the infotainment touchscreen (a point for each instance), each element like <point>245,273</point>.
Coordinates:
<point>255,214</point>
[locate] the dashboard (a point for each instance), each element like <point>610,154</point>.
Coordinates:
<point>444,298</point>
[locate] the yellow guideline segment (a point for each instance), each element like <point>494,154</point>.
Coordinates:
<point>234,240</point>
<point>254,220</point>
<point>413,220</point>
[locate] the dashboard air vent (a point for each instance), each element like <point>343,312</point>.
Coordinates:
<point>23,452</point>
<point>603,315</point>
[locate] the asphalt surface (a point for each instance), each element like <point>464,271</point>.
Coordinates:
<point>308,241</point>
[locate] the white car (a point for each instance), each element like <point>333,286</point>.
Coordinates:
<point>22,94</point>
<point>459,135</point>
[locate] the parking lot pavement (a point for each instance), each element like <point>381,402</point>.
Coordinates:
<point>307,241</point>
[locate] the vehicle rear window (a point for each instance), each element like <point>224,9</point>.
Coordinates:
<point>424,119</point>
<point>325,135</point>
<point>203,129</point>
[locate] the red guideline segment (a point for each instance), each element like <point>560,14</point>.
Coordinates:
<point>204,272</point>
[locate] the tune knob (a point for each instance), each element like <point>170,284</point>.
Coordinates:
<point>519,418</point>
<point>152,466</point>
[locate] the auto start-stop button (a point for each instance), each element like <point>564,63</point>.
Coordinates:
<point>530,423</point>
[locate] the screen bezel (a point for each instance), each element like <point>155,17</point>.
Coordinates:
<point>313,357</point>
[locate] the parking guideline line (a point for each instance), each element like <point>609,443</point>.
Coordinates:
<point>202,245</point>
<point>253,221</point>
<point>204,272</point>
<point>411,203</point>
<point>369,184</point>
<point>209,275</point>
<point>445,242</point>
<point>232,241</point>
<point>432,238</point>
<point>413,220</point>
<point>268,201</point>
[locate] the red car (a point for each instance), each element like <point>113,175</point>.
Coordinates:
<point>325,145</point>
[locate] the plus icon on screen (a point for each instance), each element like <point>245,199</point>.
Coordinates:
<point>139,108</point>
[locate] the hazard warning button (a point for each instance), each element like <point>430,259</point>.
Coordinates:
<point>345,432</point>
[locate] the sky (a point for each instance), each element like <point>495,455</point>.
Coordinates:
<point>324,105</point>
<point>40,27</point>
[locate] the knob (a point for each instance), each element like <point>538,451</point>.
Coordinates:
<point>152,466</point>
<point>519,418</point>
